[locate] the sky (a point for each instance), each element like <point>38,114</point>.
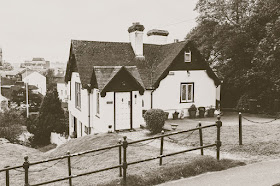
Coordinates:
<point>44,28</point>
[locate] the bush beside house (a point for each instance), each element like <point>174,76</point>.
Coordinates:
<point>155,119</point>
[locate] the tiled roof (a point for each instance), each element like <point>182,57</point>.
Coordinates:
<point>89,54</point>
<point>104,74</point>
<point>7,81</point>
<point>58,79</point>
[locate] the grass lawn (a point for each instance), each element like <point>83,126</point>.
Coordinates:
<point>260,141</point>
<point>12,155</point>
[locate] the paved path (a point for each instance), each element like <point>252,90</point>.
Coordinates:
<point>257,174</point>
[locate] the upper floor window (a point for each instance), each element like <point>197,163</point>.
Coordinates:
<point>78,95</point>
<point>188,56</point>
<point>187,92</point>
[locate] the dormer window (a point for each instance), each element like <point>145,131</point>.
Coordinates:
<point>188,57</point>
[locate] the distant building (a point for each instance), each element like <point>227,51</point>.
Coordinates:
<point>1,63</point>
<point>36,64</point>
<point>6,85</point>
<point>36,79</point>
<point>3,100</point>
<point>13,74</point>
<point>58,67</point>
<point>61,87</point>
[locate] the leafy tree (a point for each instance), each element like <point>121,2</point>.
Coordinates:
<point>50,79</point>
<point>18,95</point>
<point>51,118</point>
<point>239,38</point>
<point>11,125</point>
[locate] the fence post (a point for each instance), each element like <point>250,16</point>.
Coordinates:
<point>69,167</point>
<point>161,147</point>
<point>200,138</point>
<point>240,128</point>
<point>124,160</point>
<point>7,176</point>
<point>120,156</point>
<point>26,167</point>
<point>218,142</point>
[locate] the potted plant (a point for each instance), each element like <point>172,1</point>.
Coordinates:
<point>192,111</point>
<point>201,111</point>
<point>210,111</point>
<point>73,135</point>
<point>175,115</point>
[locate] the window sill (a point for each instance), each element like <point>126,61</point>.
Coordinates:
<point>78,108</point>
<point>186,101</point>
<point>97,116</point>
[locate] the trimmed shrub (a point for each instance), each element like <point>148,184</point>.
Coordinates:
<point>155,119</point>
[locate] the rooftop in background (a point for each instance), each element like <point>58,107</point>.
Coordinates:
<point>38,59</point>
<point>36,63</point>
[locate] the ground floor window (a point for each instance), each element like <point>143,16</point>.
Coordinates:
<point>187,92</point>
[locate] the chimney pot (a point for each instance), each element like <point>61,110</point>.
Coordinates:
<point>136,38</point>
<point>158,37</point>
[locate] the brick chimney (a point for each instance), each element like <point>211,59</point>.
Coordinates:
<point>158,37</point>
<point>136,39</point>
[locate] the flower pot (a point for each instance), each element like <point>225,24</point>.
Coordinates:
<point>192,113</point>
<point>175,115</point>
<point>210,112</point>
<point>73,135</point>
<point>201,111</point>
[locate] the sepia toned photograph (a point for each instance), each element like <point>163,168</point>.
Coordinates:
<point>140,93</point>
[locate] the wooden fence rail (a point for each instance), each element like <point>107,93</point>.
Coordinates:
<point>123,164</point>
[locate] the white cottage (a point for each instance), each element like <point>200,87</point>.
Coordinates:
<point>35,78</point>
<point>111,84</point>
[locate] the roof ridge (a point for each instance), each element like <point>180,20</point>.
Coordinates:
<point>121,42</point>
<point>117,66</point>
<point>78,40</point>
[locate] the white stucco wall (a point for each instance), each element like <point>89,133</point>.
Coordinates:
<point>82,113</point>
<point>101,122</point>
<point>98,122</point>
<point>62,91</point>
<point>167,95</point>
<point>37,80</point>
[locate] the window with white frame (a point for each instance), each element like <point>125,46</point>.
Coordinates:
<point>78,95</point>
<point>187,92</point>
<point>97,103</point>
<point>188,56</point>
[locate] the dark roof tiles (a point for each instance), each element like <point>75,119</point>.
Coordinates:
<point>91,56</point>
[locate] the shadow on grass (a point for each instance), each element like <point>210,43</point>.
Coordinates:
<point>173,172</point>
